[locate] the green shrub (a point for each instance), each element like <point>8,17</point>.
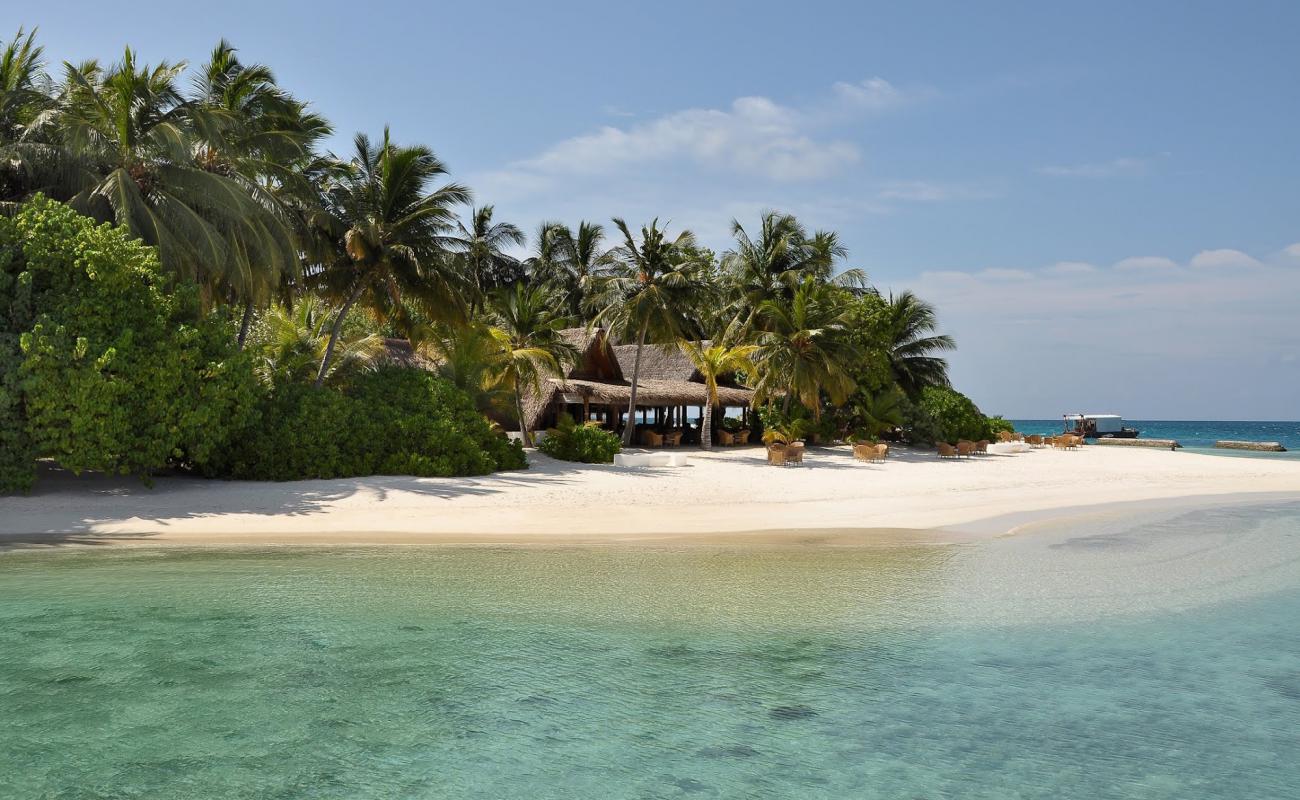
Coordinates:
<point>995,425</point>
<point>947,415</point>
<point>114,371</point>
<point>391,421</point>
<point>590,444</point>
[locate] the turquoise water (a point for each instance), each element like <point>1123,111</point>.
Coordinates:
<point>1152,657</point>
<point>1193,434</point>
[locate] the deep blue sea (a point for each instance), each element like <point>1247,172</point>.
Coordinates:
<point>1192,434</point>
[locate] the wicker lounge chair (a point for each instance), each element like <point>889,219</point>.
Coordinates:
<point>965,448</point>
<point>864,451</point>
<point>740,437</point>
<point>946,450</point>
<point>651,439</point>
<point>982,447</point>
<point>794,452</point>
<point>1034,440</point>
<point>776,455</point>
<point>725,439</point>
<point>673,438</point>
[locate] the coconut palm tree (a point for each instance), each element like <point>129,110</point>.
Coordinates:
<point>527,332</point>
<point>647,293</point>
<point>803,350</point>
<point>579,258</point>
<point>908,325</point>
<point>24,85</point>
<point>266,141</point>
<point>122,145</point>
<point>713,360</point>
<point>483,244</point>
<point>772,265</point>
<point>391,227</point>
<point>291,342</point>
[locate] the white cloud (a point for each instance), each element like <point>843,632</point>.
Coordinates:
<point>1145,264</point>
<point>1181,344</point>
<point>1292,250</point>
<point>752,136</point>
<point>1225,258</point>
<point>1104,169</point>
<point>872,94</point>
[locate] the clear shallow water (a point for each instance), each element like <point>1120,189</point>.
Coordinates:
<point>1197,434</point>
<point>1148,658</point>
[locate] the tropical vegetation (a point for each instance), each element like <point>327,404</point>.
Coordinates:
<point>189,278</point>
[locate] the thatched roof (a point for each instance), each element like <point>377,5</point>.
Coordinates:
<point>658,362</point>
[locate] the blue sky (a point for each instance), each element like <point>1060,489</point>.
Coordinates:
<point>1101,198</point>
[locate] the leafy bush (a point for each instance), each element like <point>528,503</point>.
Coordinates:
<point>995,425</point>
<point>113,371</point>
<point>569,441</point>
<point>946,415</point>
<point>390,421</point>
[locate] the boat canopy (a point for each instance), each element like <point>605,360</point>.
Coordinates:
<point>1104,423</point>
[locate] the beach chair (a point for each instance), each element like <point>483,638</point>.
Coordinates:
<point>794,453</point>
<point>1034,440</point>
<point>776,455</point>
<point>740,437</point>
<point>725,439</point>
<point>1061,442</point>
<point>965,448</point>
<point>946,450</point>
<point>1006,436</point>
<point>982,447</point>
<point>864,451</point>
<point>879,453</point>
<point>673,438</point>
<point>651,439</point>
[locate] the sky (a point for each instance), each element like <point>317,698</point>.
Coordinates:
<point>1101,199</point>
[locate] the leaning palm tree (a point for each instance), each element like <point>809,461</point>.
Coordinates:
<point>121,145</point>
<point>289,343</point>
<point>909,324</point>
<point>803,350</point>
<point>483,245</point>
<point>713,361</point>
<point>527,332</point>
<point>647,294</point>
<point>390,226</point>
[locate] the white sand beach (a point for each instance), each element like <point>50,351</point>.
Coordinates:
<point>730,495</point>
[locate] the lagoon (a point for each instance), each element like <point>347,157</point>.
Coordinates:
<point>1150,655</point>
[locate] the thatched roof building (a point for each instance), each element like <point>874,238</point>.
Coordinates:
<point>600,382</point>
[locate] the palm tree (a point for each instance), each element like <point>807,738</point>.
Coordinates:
<point>483,244</point>
<point>527,331</point>
<point>122,145</point>
<point>579,258</point>
<point>714,361</point>
<point>266,142</point>
<point>803,350</point>
<point>771,266</point>
<point>290,344</point>
<point>647,294</point>
<point>875,413</point>
<point>908,325</point>
<point>24,86</point>
<point>391,228</point>
<point>470,358</point>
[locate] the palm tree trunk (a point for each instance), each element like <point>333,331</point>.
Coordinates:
<point>523,423</point>
<point>334,334</point>
<point>244,324</point>
<point>706,428</point>
<point>630,430</point>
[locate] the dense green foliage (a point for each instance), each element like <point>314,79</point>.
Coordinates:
<point>941,414</point>
<point>121,357</point>
<point>569,441</point>
<point>388,421</point>
<point>116,372</point>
